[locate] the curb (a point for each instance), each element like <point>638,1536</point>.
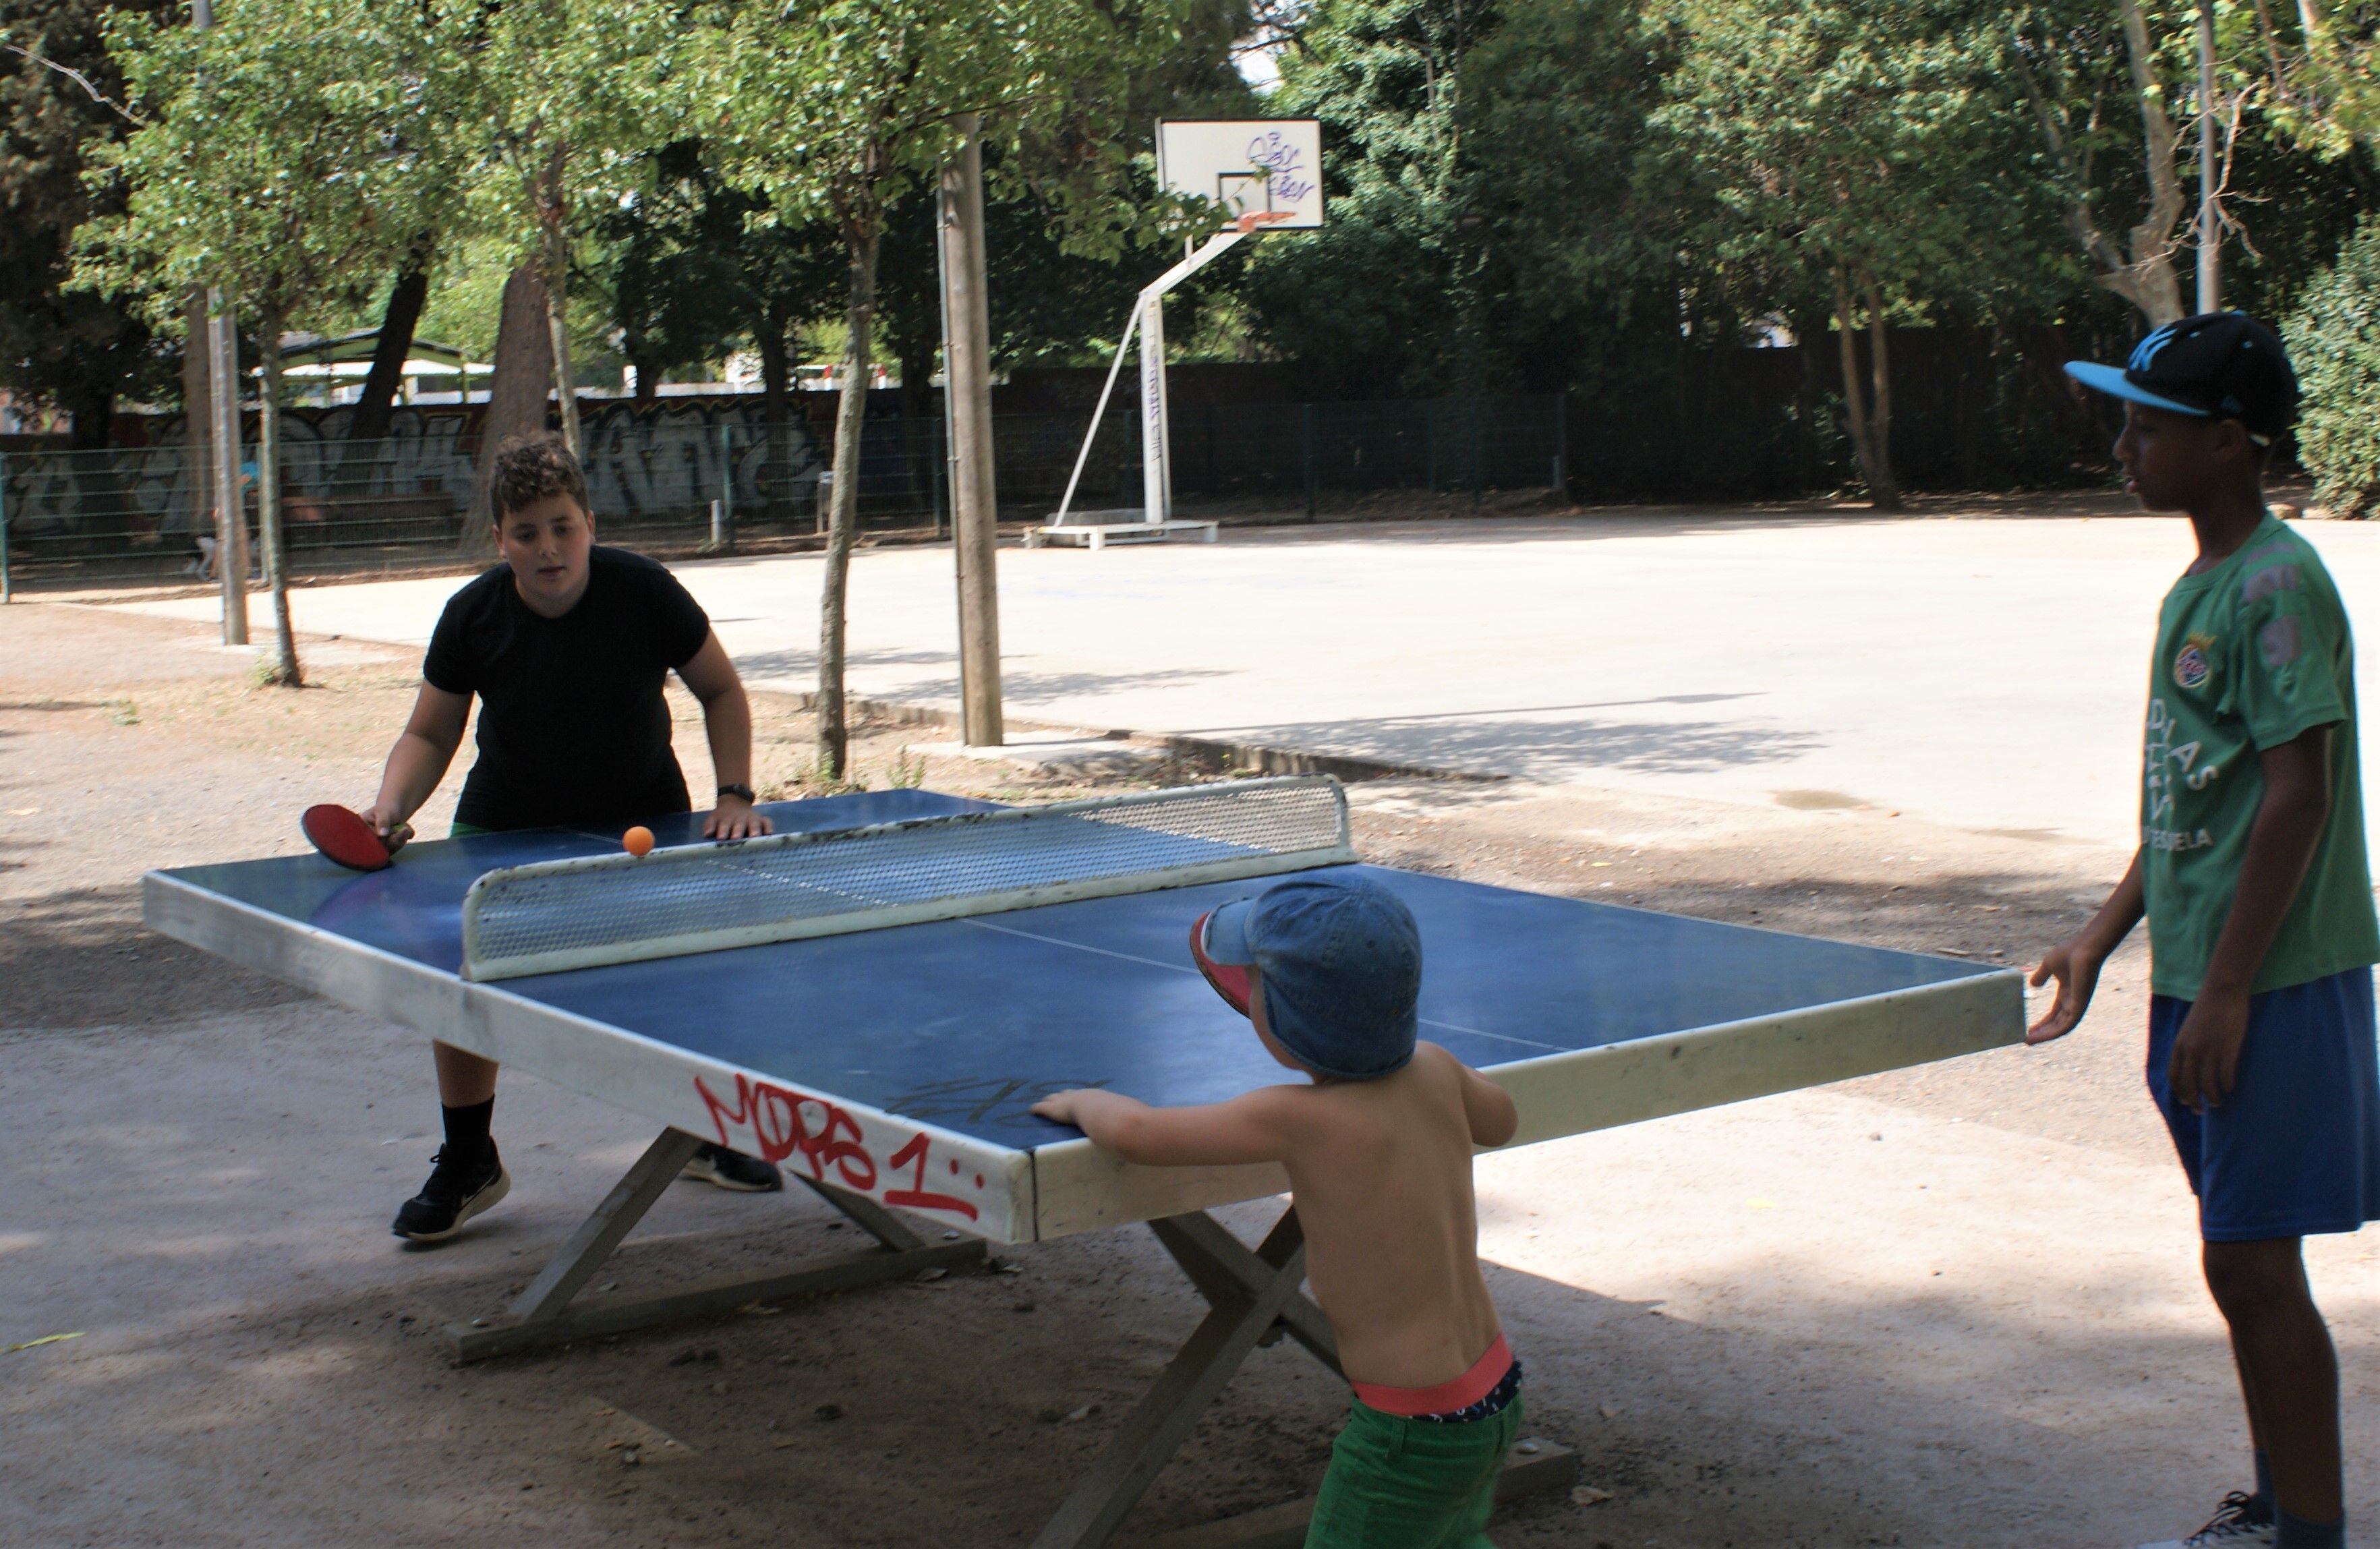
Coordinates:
<point>1261,758</point>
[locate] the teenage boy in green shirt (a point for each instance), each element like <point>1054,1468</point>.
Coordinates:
<point>566,645</point>
<point>2252,875</point>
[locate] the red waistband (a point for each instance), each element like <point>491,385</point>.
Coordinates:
<point>1447,1396</point>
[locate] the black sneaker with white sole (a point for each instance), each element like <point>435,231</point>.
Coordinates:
<point>2241,1522</point>
<point>731,1170</point>
<point>459,1188</point>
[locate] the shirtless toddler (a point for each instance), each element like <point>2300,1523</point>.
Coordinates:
<point>1377,1147</point>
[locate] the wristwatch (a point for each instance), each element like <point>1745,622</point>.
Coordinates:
<point>743,791</point>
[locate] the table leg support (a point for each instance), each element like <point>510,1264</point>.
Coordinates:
<point>544,1314</point>
<point>1147,1437</point>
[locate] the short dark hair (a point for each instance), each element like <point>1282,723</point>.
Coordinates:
<point>529,468</point>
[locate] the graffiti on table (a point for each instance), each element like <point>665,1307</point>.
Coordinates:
<point>775,1123</point>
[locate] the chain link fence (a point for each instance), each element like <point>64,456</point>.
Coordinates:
<point>147,513</point>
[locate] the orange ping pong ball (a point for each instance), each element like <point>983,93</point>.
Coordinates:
<point>637,842</point>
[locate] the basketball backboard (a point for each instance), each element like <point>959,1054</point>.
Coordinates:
<point>1267,172</point>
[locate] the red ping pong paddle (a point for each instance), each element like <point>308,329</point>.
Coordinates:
<point>347,840</point>
<point>1227,980</point>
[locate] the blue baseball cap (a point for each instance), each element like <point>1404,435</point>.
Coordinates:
<point>1341,965</point>
<point>2214,366</point>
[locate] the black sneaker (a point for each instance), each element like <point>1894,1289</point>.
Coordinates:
<point>2241,1522</point>
<point>732,1169</point>
<point>457,1191</point>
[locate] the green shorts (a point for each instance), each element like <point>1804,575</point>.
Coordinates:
<point>1398,1483</point>
<point>464,830</point>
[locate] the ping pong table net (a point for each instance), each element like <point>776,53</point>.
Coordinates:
<point>600,910</point>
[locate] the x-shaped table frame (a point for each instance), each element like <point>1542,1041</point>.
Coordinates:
<point>1252,1300</point>
<point>1253,1294</point>
<point>545,1313</point>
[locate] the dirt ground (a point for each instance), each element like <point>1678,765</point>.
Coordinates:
<point>1966,1315</point>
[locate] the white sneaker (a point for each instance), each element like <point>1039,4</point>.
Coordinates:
<point>2229,1528</point>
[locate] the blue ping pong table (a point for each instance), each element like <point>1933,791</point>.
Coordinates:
<point>894,1070</point>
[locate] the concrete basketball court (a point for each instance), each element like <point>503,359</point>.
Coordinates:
<point>1984,672</point>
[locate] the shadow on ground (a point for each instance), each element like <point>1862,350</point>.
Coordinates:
<point>83,959</point>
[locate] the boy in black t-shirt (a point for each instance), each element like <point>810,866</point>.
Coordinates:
<point>568,647</point>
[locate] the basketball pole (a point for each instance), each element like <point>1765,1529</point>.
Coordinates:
<point>967,387</point>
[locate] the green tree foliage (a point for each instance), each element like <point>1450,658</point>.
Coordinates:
<point>833,110</point>
<point>59,344</point>
<point>670,254</point>
<point>559,101</point>
<point>291,156</point>
<point>1388,294</point>
<point>2333,337</point>
<point>1858,145</point>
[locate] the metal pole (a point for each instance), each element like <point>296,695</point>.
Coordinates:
<point>1156,478</point>
<point>1305,418</point>
<point>2210,230</point>
<point>722,519</point>
<point>974,510</point>
<point>1562,446</point>
<point>231,518</point>
<point>7,593</point>
<point>946,446</point>
<point>223,392</point>
<point>942,461</point>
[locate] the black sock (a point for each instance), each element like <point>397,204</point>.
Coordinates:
<point>2295,1532</point>
<point>467,1128</point>
<point>2264,1487</point>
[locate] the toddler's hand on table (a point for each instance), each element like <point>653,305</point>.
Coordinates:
<point>1059,1107</point>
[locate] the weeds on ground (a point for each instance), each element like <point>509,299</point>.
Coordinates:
<point>811,778</point>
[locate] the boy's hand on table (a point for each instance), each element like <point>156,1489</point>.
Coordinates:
<point>733,818</point>
<point>2075,965</point>
<point>2205,1059</point>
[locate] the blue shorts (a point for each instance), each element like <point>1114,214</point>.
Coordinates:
<point>2295,1149</point>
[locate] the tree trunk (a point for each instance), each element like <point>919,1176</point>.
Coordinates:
<point>1873,471</point>
<point>554,218</point>
<point>524,375</point>
<point>565,386</point>
<point>286,671</point>
<point>2148,281</point>
<point>2145,276</point>
<point>1880,431</point>
<point>648,381</point>
<point>397,322</point>
<point>93,415</point>
<point>776,403</point>
<point>861,240</point>
<point>197,414</point>
<point>917,364</point>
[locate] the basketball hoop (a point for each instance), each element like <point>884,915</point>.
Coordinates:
<point>1256,218</point>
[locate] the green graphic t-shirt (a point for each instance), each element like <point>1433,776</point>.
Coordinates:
<point>2250,655</point>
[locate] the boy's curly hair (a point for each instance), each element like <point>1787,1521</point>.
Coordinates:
<point>529,468</point>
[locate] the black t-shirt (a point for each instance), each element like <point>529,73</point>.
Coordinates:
<point>573,728</point>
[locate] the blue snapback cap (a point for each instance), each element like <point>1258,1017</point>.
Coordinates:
<point>1341,965</point>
